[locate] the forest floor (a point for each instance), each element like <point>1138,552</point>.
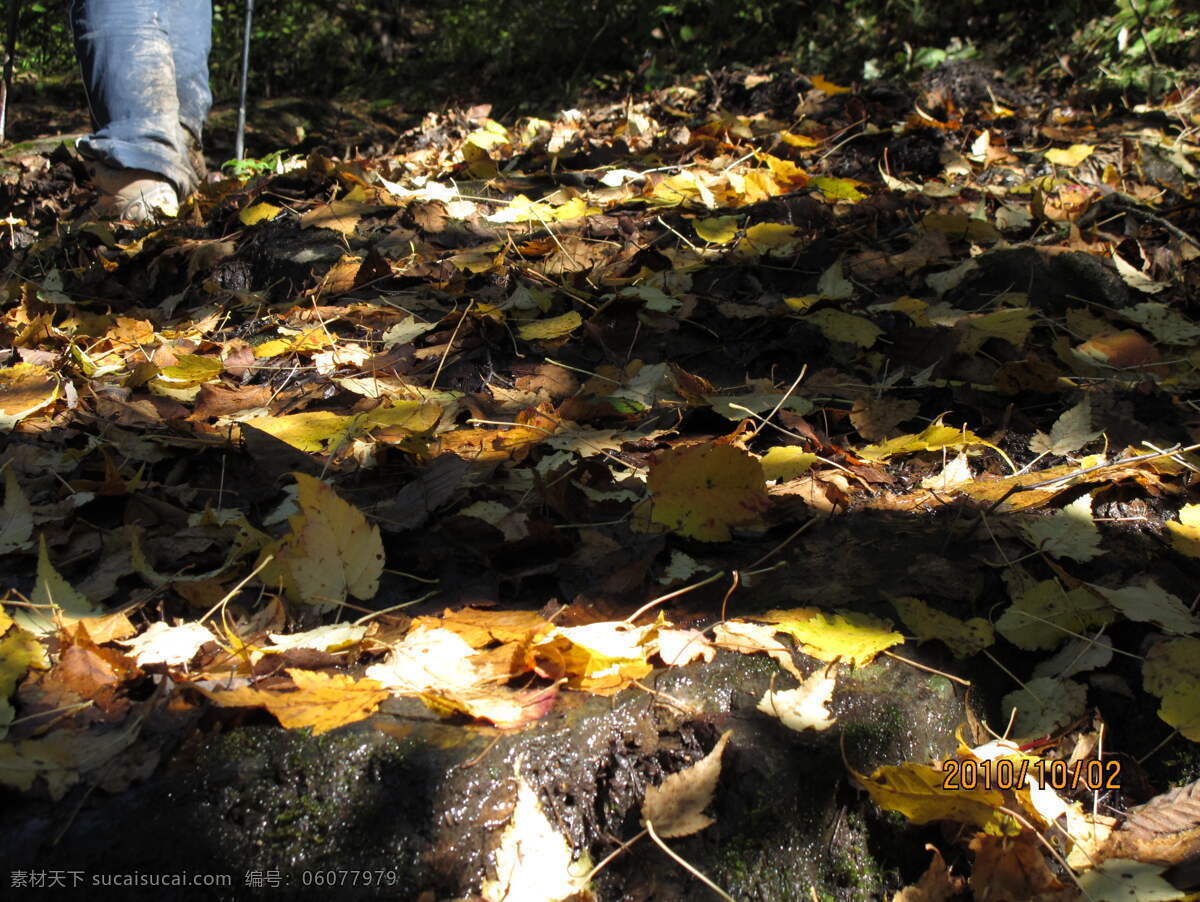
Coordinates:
<point>484,412</point>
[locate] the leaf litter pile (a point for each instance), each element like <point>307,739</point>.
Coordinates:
<point>537,407</point>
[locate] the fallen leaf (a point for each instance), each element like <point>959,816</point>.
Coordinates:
<point>919,792</point>
<point>1044,706</point>
<point>703,490</point>
<point>25,389</point>
<point>805,707</point>
<point>752,638</point>
<point>854,637</point>
<point>16,518</point>
<point>963,638</point>
<point>322,701</point>
<point>331,552</point>
<point>533,862</point>
<point>1067,533</point>
<point>171,645</point>
<point>676,806</point>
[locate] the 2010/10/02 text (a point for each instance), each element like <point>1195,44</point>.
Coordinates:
<point>1005,774</point>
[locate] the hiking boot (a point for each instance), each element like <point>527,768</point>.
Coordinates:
<point>137,195</point>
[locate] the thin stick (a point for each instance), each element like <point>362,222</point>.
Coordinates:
<point>737,578</point>
<point>778,548</point>
<point>396,607</point>
<point>450,345</point>
<point>10,52</point>
<point>687,867</point>
<point>609,857</point>
<point>648,605</point>
<point>941,673</point>
<point>239,141</point>
<point>234,591</point>
<point>787,394</point>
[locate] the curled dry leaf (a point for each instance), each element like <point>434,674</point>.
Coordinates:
<point>676,808</point>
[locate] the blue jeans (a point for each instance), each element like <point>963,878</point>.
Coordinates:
<point>145,69</point>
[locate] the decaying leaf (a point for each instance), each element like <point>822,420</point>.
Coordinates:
<point>331,552</point>
<point>16,517</point>
<point>676,806</point>
<point>920,793</point>
<point>599,657</point>
<point>936,884</point>
<point>751,638</point>
<point>322,701</point>
<point>963,638</point>
<point>55,600</point>
<point>533,862</point>
<point>1044,706</point>
<point>1068,533</point>
<point>1172,672</point>
<point>171,645</point>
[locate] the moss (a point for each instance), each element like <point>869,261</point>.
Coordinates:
<point>853,866</point>
<point>1182,762</point>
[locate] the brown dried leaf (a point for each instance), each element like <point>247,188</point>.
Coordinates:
<point>676,808</point>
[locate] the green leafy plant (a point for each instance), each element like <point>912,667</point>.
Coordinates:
<point>275,162</point>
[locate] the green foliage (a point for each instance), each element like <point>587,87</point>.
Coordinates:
<point>44,42</point>
<point>1142,44</point>
<point>249,167</point>
<point>528,51</point>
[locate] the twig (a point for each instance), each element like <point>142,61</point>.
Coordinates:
<point>450,345</point>
<point>687,867</point>
<point>648,605</point>
<point>621,847</point>
<point>787,394</point>
<point>941,673</point>
<point>234,591</point>
<point>778,548</point>
<point>737,578</point>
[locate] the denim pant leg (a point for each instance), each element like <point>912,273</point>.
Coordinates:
<point>145,68</point>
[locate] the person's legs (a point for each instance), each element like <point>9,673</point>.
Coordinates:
<point>145,68</point>
<point>189,27</point>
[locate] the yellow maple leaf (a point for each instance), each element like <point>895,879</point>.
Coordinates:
<point>703,490</point>
<point>504,708</point>
<point>1171,673</point>
<point>821,83</point>
<point>717,229</point>
<point>933,438</point>
<point>332,550</point>
<point>919,792</point>
<point>849,635</point>
<point>312,340</point>
<point>963,638</point>
<point>769,238</point>
<point>323,701</point>
<point>787,462</point>
<point>1185,535</point>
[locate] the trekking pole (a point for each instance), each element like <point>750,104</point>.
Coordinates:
<point>10,50</point>
<point>239,144</point>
